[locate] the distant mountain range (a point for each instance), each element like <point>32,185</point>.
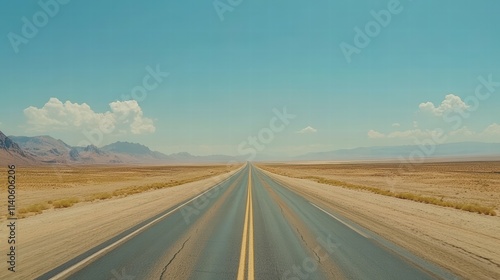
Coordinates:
<point>11,152</point>
<point>47,150</point>
<point>451,151</point>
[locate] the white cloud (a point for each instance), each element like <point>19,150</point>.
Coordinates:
<point>493,129</point>
<point>463,131</point>
<point>490,133</point>
<point>413,133</point>
<point>372,134</point>
<point>307,130</point>
<point>450,103</point>
<point>405,134</point>
<point>125,116</point>
<point>396,125</point>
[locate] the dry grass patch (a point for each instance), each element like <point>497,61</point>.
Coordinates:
<point>99,196</point>
<point>437,181</point>
<point>46,187</point>
<point>471,207</point>
<point>65,203</point>
<point>34,209</point>
<point>156,186</point>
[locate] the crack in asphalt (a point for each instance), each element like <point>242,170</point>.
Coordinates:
<point>301,237</point>
<point>282,213</point>
<point>317,256</point>
<point>172,259</point>
<point>307,245</point>
<point>270,190</point>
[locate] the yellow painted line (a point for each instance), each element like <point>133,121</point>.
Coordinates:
<point>250,228</point>
<point>247,238</point>
<point>243,254</point>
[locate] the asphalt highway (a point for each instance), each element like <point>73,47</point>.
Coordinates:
<point>248,227</point>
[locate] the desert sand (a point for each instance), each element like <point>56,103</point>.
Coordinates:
<point>44,186</point>
<point>455,182</point>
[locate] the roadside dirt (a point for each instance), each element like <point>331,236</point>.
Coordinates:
<point>457,182</point>
<point>46,184</point>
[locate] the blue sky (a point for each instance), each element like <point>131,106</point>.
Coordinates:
<point>225,77</point>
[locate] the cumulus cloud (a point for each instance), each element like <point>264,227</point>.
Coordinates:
<point>372,134</point>
<point>490,133</point>
<point>493,129</point>
<point>405,134</point>
<point>414,133</point>
<point>396,125</point>
<point>463,131</point>
<point>307,130</point>
<point>123,117</point>
<point>450,103</point>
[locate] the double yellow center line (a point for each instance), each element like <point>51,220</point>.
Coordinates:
<point>247,239</point>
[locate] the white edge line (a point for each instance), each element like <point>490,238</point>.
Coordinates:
<point>70,270</point>
<point>344,223</point>
<point>329,214</point>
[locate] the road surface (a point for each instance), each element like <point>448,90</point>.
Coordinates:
<point>248,227</point>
